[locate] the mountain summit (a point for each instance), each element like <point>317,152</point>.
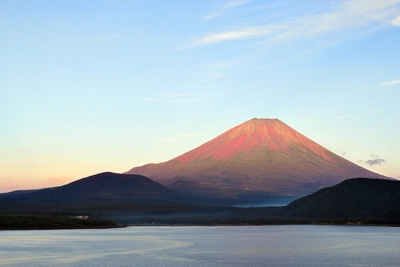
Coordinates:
<point>251,137</point>
<point>260,156</point>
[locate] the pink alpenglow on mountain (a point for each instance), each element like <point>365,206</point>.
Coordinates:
<point>260,156</point>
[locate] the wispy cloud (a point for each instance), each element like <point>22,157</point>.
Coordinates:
<point>235,35</point>
<point>174,139</point>
<point>182,94</point>
<point>372,162</point>
<point>394,82</point>
<point>180,97</point>
<point>225,7</point>
<point>396,22</point>
<point>345,16</point>
<point>341,117</point>
<point>376,160</point>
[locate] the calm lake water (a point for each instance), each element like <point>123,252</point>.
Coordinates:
<point>204,246</point>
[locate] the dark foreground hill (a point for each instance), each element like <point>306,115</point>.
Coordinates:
<point>368,201</point>
<point>258,157</point>
<point>133,199</point>
<point>101,192</point>
<point>352,199</point>
<point>109,185</point>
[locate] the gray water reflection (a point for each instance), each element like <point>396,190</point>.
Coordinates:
<point>204,246</point>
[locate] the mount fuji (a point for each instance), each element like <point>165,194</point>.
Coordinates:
<point>259,156</point>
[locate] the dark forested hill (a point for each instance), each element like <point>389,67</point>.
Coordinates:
<point>136,199</point>
<point>104,191</point>
<point>353,198</point>
<point>109,185</point>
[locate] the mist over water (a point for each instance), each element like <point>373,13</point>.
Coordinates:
<point>204,246</point>
<point>269,202</point>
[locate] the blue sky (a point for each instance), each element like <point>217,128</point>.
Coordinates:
<point>92,86</point>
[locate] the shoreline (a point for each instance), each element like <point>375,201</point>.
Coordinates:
<point>51,222</point>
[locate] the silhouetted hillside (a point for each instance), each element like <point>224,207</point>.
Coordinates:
<point>351,199</point>
<point>101,192</point>
<point>135,199</point>
<point>109,185</point>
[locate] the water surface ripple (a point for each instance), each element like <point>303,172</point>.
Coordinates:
<point>204,246</point>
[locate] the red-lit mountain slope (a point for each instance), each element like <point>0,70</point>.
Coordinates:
<point>258,156</point>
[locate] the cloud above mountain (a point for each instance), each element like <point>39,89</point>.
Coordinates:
<point>227,6</point>
<point>180,97</point>
<point>341,18</point>
<point>376,160</point>
<point>393,82</point>
<point>372,162</point>
<point>180,137</point>
<point>396,21</point>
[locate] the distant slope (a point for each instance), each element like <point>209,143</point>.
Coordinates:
<point>260,156</point>
<point>104,191</point>
<point>17,193</point>
<point>109,185</point>
<point>351,199</point>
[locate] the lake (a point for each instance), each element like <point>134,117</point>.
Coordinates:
<point>204,246</point>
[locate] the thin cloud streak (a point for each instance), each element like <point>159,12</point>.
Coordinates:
<point>225,7</point>
<point>235,35</point>
<point>372,162</point>
<point>342,117</point>
<point>375,161</point>
<point>394,82</point>
<point>181,94</point>
<point>396,22</point>
<point>174,139</point>
<point>351,14</point>
<point>235,3</point>
<point>180,98</point>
